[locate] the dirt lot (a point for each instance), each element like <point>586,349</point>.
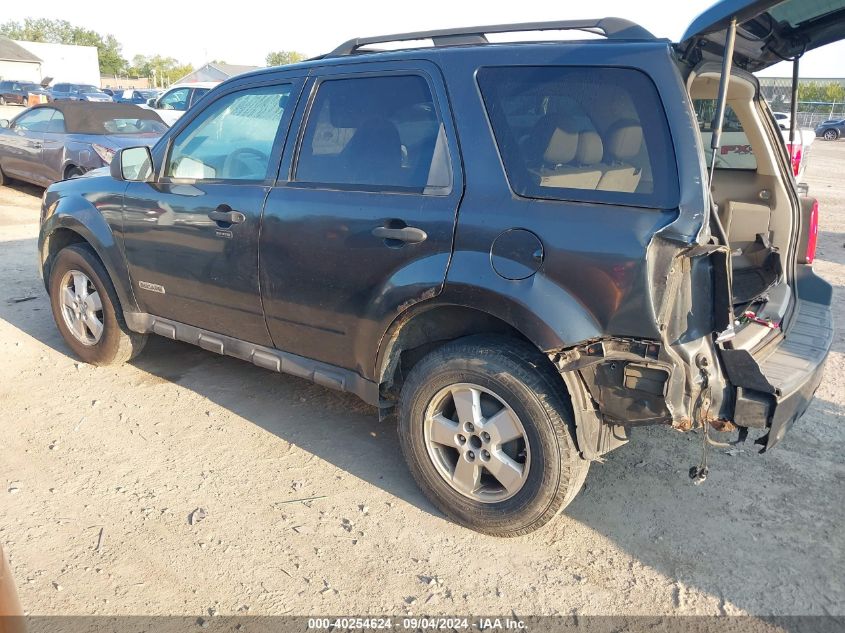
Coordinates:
<point>101,468</point>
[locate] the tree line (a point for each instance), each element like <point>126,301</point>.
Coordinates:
<point>163,70</point>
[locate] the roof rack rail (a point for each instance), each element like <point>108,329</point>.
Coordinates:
<point>611,28</point>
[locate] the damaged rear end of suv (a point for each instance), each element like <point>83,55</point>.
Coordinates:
<point>743,324</point>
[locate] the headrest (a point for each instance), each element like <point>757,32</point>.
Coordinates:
<point>625,139</point>
<point>554,140</point>
<point>562,147</point>
<point>590,148</point>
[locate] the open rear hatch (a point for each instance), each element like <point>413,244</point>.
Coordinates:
<point>768,31</point>
<point>780,327</point>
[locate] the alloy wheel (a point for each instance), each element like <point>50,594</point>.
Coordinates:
<point>81,307</point>
<point>830,135</point>
<point>477,443</point>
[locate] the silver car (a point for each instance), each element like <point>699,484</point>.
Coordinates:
<point>60,140</point>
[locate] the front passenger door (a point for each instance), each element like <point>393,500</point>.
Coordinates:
<point>191,237</point>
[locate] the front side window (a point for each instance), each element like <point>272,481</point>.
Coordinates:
<point>175,100</point>
<point>232,139</point>
<point>736,151</point>
<point>37,120</point>
<point>375,133</point>
<point>583,134</point>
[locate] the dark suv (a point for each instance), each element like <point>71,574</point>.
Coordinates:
<point>515,248</point>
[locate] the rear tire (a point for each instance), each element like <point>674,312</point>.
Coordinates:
<point>73,172</point>
<point>79,284</point>
<point>4,179</point>
<point>481,479</point>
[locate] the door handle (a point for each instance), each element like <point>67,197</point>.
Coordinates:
<point>221,215</point>
<point>38,145</point>
<point>408,234</point>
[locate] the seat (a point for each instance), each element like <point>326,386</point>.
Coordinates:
<point>568,156</point>
<point>624,142</point>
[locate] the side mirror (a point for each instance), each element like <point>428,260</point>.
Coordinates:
<point>4,122</point>
<point>151,102</point>
<point>133,164</point>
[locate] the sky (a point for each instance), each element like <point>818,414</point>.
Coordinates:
<point>244,31</point>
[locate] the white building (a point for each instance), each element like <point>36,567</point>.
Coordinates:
<point>17,63</point>
<point>65,62</point>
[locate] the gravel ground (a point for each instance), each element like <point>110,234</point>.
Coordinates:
<point>104,470</point>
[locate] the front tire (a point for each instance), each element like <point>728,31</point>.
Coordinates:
<point>831,135</point>
<point>488,436</point>
<point>87,311</point>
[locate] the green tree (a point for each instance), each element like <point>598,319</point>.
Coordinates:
<point>280,58</point>
<point>162,70</point>
<point>826,93</point>
<point>63,32</point>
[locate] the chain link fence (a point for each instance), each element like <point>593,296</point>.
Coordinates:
<point>778,92</point>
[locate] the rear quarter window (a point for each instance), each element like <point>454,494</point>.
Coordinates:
<point>582,134</point>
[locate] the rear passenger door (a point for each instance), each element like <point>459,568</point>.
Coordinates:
<point>359,225</point>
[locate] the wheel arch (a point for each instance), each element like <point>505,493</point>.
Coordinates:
<point>431,324</point>
<point>62,229</point>
<point>427,326</point>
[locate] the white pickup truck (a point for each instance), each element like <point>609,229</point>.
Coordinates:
<point>801,153</point>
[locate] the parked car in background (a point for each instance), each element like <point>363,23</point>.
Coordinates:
<point>783,119</point>
<point>175,102</point>
<point>78,92</point>
<point>831,130</point>
<point>51,142</point>
<point>108,91</point>
<point>18,92</point>
<point>138,97</point>
<point>799,152</point>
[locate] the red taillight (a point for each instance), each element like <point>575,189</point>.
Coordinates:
<point>814,233</point>
<point>794,157</point>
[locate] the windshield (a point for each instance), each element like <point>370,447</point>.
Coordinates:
<point>133,126</point>
<point>87,88</point>
<point>31,87</point>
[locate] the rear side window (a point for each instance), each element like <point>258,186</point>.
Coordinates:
<point>736,151</point>
<point>585,134</point>
<point>375,134</point>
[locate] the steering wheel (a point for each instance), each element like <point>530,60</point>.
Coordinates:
<point>235,165</point>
